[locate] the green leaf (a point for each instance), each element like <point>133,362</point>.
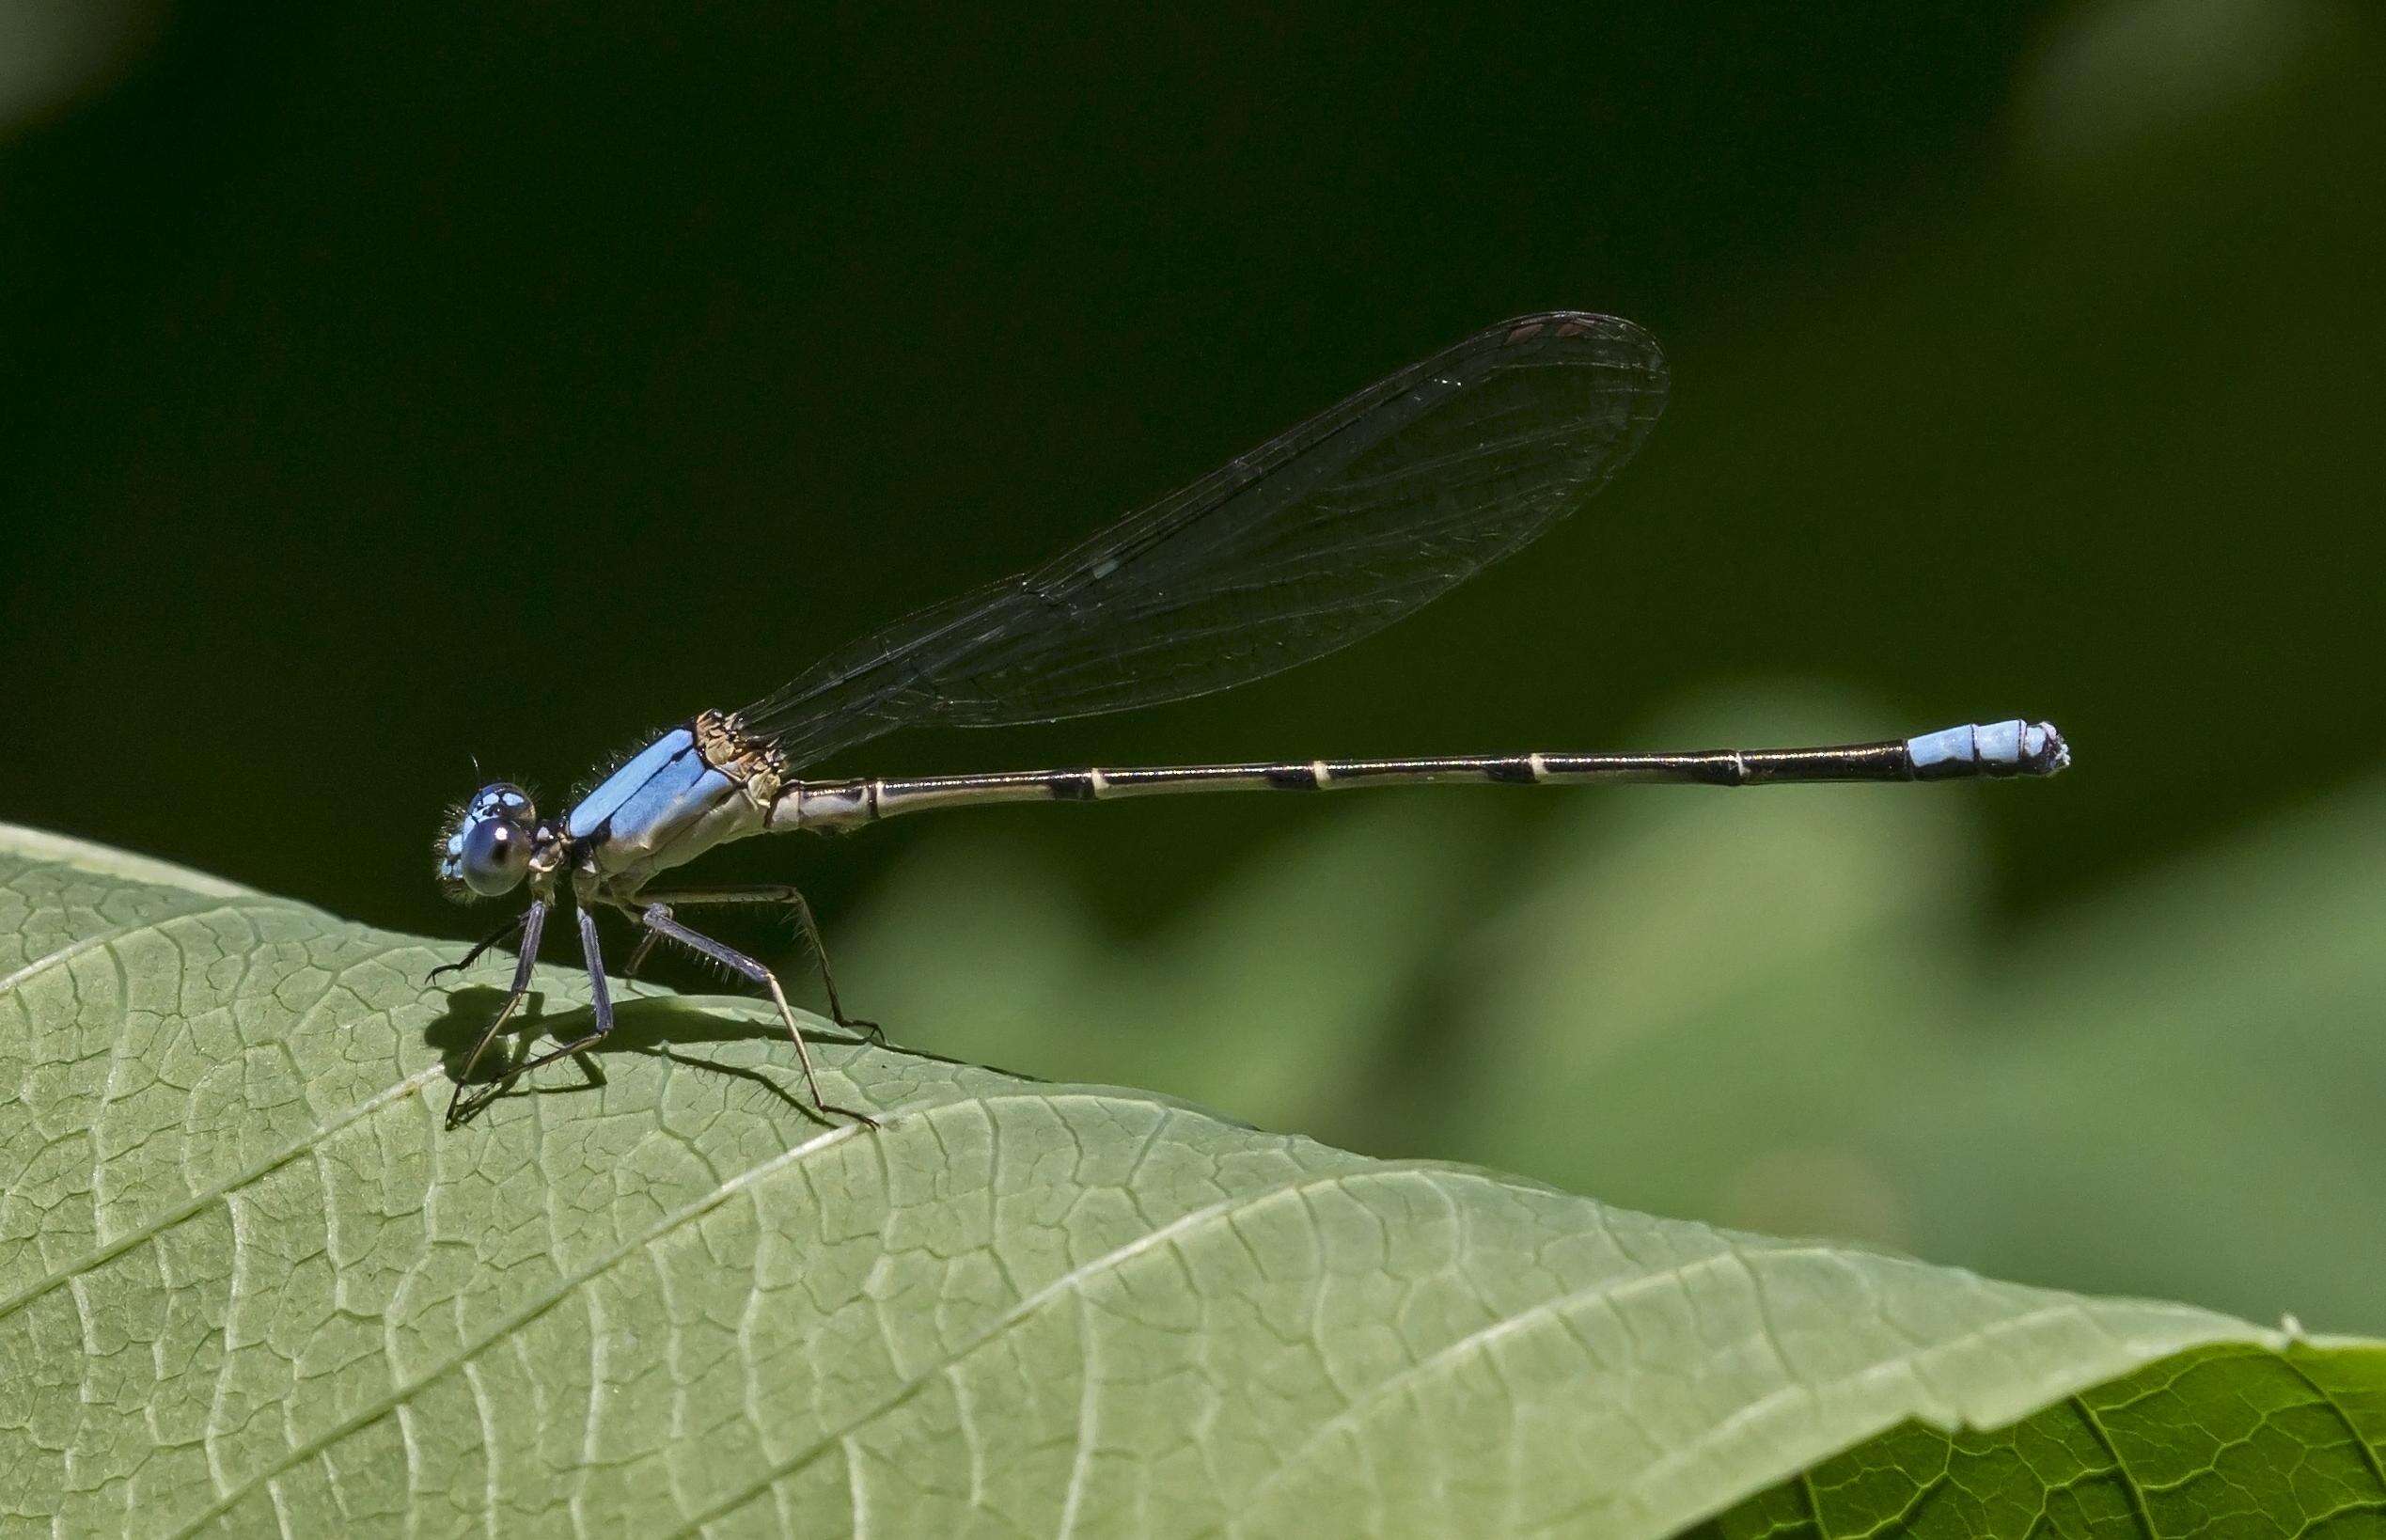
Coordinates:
<point>2225,1439</point>
<point>247,1281</point>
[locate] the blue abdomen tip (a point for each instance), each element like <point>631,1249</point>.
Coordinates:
<point>2015,747</point>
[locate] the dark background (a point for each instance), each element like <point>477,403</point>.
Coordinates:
<point>509,380</point>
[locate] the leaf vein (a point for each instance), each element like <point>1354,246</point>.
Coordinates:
<point>1107,1262</point>
<point>2328,1398</point>
<point>2097,1431</point>
<point>167,1218</point>
<point>520,1316</point>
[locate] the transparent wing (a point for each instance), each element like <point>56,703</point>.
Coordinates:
<point>1317,539</point>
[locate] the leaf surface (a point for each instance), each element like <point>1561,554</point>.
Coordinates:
<point>247,1282</point>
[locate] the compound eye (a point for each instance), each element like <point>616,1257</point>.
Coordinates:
<point>495,856</point>
<point>502,799</point>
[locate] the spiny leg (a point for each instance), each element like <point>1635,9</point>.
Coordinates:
<point>534,924</point>
<point>771,893</point>
<point>600,1004</point>
<point>657,919</point>
<point>502,934</point>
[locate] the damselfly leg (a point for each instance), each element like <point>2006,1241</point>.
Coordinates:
<point>503,933</point>
<point>658,920</point>
<point>766,893</point>
<point>532,925</point>
<point>600,1005</point>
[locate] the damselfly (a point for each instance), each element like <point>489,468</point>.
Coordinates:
<point>1308,542</point>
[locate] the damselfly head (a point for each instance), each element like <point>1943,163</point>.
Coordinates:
<point>486,846</point>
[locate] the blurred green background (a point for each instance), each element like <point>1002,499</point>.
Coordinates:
<point>382,390</point>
